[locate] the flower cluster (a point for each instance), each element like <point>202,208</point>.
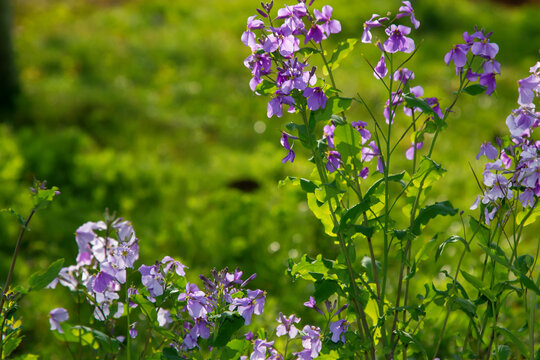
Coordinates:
<point>480,47</point>
<point>101,266</point>
<point>275,54</point>
<point>516,169</point>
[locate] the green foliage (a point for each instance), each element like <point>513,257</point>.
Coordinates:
<point>40,280</point>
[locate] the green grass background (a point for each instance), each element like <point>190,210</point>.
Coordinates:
<point>143,107</point>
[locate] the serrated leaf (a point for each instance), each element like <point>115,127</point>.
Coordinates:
<point>306,185</point>
<point>40,280</point>
<point>431,211</point>
<point>43,198</point>
<point>475,89</point>
<point>10,344</point>
<point>312,269</point>
<point>343,49</point>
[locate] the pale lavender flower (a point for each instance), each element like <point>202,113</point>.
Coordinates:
<point>312,340</point>
<point>483,47</point>
<point>328,134</point>
<point>458,54</point>
<point>403,75</point>
<point>286,325</point>
<point>164,317</point>
<point>313,305</point>
<point>169,263</point>
<point>338,330</point>
<point>315,33</point>
<point>152,279</point>
<point>57,316</point>
<point>275,106</point>
<point>253,303</point>
<point>409,154</point>
<point>197,303</point>
<point>259,349</point>
<point>488,150</point>
<point>132,331</point>
<point>527,89</point>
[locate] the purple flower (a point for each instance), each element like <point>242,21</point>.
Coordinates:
<point>56,316</point>
<point>403,75</point>
<point>527,89</point>
<point>338,330</point>
<point>312,305</point>
<point>328,132</point>
<point>248,37</point>
<point>487,79</point>
<point>397,41</point>
<point>170,263</point>
<point>380,70</point>
<point>374,22</point>
<point>164,317</point>
<point>286,325</point>
<point>434,103</point>
<point>315,33</point>
<point>527,198</point>
<point>360,127</point>
<point>275,106</point>
<point>483,47</point>
<point>329,26</point>
<point>458,54</point>
<point>197,303</point>
<point>407,10</point>
<point>152,279</point>
<point>409,154</point>
<point>259,349</point>
<point>488,150</point>
<point>253,303</point>
<point>316,99</point>
<point>334,161</point>
<point>285,143</point>
<point>364,173</point>
<point>102,281</point>
<point>311,341</point>
<point>132,331</point>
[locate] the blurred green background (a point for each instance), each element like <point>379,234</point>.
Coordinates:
<point>143,107</point>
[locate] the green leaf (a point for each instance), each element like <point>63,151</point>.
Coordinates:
<point>170,353</point>
<point>523,263</point>
<point>321,212</point>
<point>407,338</point>
<point>228,323</point>
<point>334,105</point>
<point>235,348</point>
<point>465,305</point>
<point>266,88</point>
<point>306,185</point>
<point>513,338</point>
<point>414,102</point>
<point>302,133</point>
<point>10,344</point>
<point>40,280</point>
<point>343,49</point>
<point>14,213</point>
<point>479,285</point>
<point>450,240</point>
<point>43,198</point>
<point>147,308</point>
<point>503,352</point>
<point>352,214</point>
<point>308,51</point>
<point>27,357</point>
<point>373,189</point>
<point>312,269</point>
<point>324,289</point>
<point>475,89</point>
<point>431,211</point>
<point>368,268</point>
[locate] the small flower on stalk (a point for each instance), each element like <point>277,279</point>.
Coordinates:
<point>57,316</point>
<point>311,343</point>
<point>374,22</point>
<point>169,263</point>
<point>132,331</point>
<point>488,150</point>
<point>152,279</point>
<point>397,41</point>
<point>275,106</point>
<point>334,161</point>
<point>407,10</point>
<point>360,127</point>
<point>403,75</point>
<point>328,25</point>
<point>487,79</point>
<point>312,305</point>
<point>483,47</point>
<point>259,349</point>
<point>285,143</point>
<point>338,330</point>
<point>286,325</point>
<point>458,54</point>
<point>316,99</point>
<point>380,70</point>
<point>409,154</point>
<point>328,132</point>
<point>253,303</point>
<point>164,317</point>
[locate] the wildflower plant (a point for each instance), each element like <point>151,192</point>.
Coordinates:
<point>364,298</point>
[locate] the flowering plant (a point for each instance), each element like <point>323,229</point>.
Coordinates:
<point>365,297</point>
